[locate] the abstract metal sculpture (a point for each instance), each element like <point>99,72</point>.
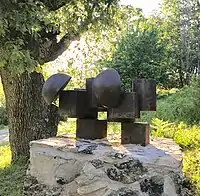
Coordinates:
<point>104,93</point>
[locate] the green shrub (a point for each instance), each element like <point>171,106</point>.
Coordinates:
<point>191,167</point>
<point>181,106</point>
<point>188,137</point>
<point>163,92</point>
<point>2,96</point>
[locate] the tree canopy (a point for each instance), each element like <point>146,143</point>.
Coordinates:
<point>33,32</point>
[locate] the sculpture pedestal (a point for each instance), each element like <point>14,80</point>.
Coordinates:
<point>68,167</point>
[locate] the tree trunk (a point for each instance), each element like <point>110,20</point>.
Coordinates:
<point>29,116</point>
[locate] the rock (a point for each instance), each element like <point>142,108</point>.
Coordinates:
<point>33,188</point>
<point>97,163</point>
<point>87,149</point>
<point>172,184</point>
<point>126,172</point>
<point>61,167</point>
<point>125,192</point>
<point>154,186</point>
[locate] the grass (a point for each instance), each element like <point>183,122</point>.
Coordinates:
<point>70,127</point>
<point>11,175</point>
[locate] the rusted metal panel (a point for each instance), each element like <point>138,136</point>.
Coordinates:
<point>127,110</point>
<point>75,104</point>
<point>135,133</point>
<point>91,129</point>
<point>146,92</point>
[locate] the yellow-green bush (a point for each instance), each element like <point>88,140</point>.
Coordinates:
<point>184,135</point>
<point>163,92</point>
<point>188,137</point>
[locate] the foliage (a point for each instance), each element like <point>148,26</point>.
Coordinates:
<point>35,32</point>
<point>2,96</point>
<point>164,46</point>
<point>191,167</point>
<point>178,22</point>
<point>82,56</point>
<point>188,137</point>
<point>139,55</point>
<point>5,156</point>
<point>163,92</point>
<point>177,107</point>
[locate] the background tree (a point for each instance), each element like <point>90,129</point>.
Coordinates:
<point>139,55</point>
<point>31,33</point>
<point>179,25</point>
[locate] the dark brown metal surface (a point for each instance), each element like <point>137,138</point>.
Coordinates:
<point>53,86</point>
<point>75,104</point>
<point>146,91</point>
<point>127,109</point>
<point>92,99</point>
<point>91,96</point>
<point>107,88</point>
<point>135,133</point>
<point>91,129</point>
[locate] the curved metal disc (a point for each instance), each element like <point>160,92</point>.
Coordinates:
<point>107,88</point>
<point>53,86</point>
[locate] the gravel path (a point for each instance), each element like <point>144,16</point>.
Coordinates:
<point>4,136</point>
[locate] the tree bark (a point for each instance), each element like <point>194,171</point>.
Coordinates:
<point>29,116</point>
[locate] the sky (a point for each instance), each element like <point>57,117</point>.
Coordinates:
<point>147,5</point>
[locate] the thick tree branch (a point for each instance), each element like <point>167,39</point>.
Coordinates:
<point>50,49</point>
<point>56,49</point>
<point>52,52</point>
<point>53,5</point>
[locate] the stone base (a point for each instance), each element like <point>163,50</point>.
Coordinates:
<point>69,167</point>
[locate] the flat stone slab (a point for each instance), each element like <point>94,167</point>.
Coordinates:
<point>105,167</point>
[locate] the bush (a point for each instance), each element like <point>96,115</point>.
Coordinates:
<point>178,107</point>
<point>139,54</point>
<point>188,137</point>
<point>163,92</point>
